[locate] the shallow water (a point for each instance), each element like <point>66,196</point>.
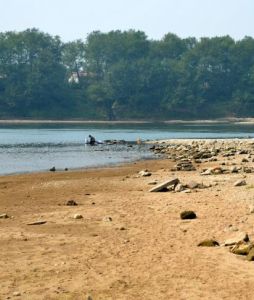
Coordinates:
<point>28,148</point>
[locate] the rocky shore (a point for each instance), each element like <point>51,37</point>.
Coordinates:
<point>179,227</point>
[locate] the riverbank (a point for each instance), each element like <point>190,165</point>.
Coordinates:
<point>130,243</point>
<point>213,121</point>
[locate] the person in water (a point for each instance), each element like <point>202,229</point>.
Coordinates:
<point>91,140</point>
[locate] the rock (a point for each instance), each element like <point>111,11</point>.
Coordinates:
<point>206,172</point>
<point>208,243</point>
<point>184,165</point>
<point>179,187</point>
<point>163,186</point>
<point>250,255</point>
<point>153,182</point>
<point>37,223</point>
<point>188,214</point>
<point>251,209</point>
<point>241,248</point>
<point>217,170</point>
<point>145,173</point>
<point>240,182</point>
<point>234,169</point>
<point>245,160</point>
<point>4,216</point>
<point>77,216</point>
<point>107,219</point>
<point>16,294</point>
<point>192,185</point>
<point>240,237</point>
<point>71,203</point>
<point>53,169</point>
<point>187,191</point>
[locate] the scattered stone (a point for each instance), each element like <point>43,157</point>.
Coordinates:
<point>208,243</point>
<point>187,191</point>
<point>37,223</point>
<point>188,214</point>
<point>53,169</point>
<point>245,160</point>
<point>240,237</point>
<point>240,182</point>
<point>184,165</point>
<point>206,172</point>
<point>4,216</point>
<point>77,216</point>
<point>153,182</point>
<point>145,173</point>
<point>179,187</point>
<point>71,203</point>
<point>192,185</point>
<point>251,209</point>
<point>107,219</point>
<point>250,256</point>
<point>16,294</point>
<point>234,169</point>
<point>248,169</point>
<point>164,186</point>
<point>241,248</point>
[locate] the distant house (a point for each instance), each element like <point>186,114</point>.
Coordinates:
<point>75,76</point>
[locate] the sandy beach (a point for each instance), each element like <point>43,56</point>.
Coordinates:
<point>130,243</point>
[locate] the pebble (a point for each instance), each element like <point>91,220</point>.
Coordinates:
<point>240,182</point>
<point>107,219</point>
<point>78,216</point>
<point>4,216</point>
<point>188,214</point>
<point>208,243</point>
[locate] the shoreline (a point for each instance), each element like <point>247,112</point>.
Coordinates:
<point>244,121</point>
<point>129,243</point>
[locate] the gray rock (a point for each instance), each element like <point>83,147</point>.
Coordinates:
<point>240,182</point>
<point>179,187</point>
<point>192,185</point>
<point>207,172</point>
<point>145,173</point>
<point>234,169</point>
<point>37,223</point>
<point>162,186</point>
<point>107,219</point>
<point>4,216</point>
<point>77,216</point>
<point>240,237</point>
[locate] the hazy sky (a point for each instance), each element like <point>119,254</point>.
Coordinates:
<point>73,19</point>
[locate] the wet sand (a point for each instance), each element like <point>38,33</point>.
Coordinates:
<point>130,244</point>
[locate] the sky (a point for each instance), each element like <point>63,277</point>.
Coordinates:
<point>75,19</point>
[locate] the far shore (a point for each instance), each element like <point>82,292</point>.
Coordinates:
<point>244,121</point>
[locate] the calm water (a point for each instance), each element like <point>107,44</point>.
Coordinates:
<point>29,148</point>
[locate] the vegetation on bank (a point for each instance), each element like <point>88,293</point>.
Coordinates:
<point>122,75</point>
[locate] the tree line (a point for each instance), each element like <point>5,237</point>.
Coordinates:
<point>123,75</point>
